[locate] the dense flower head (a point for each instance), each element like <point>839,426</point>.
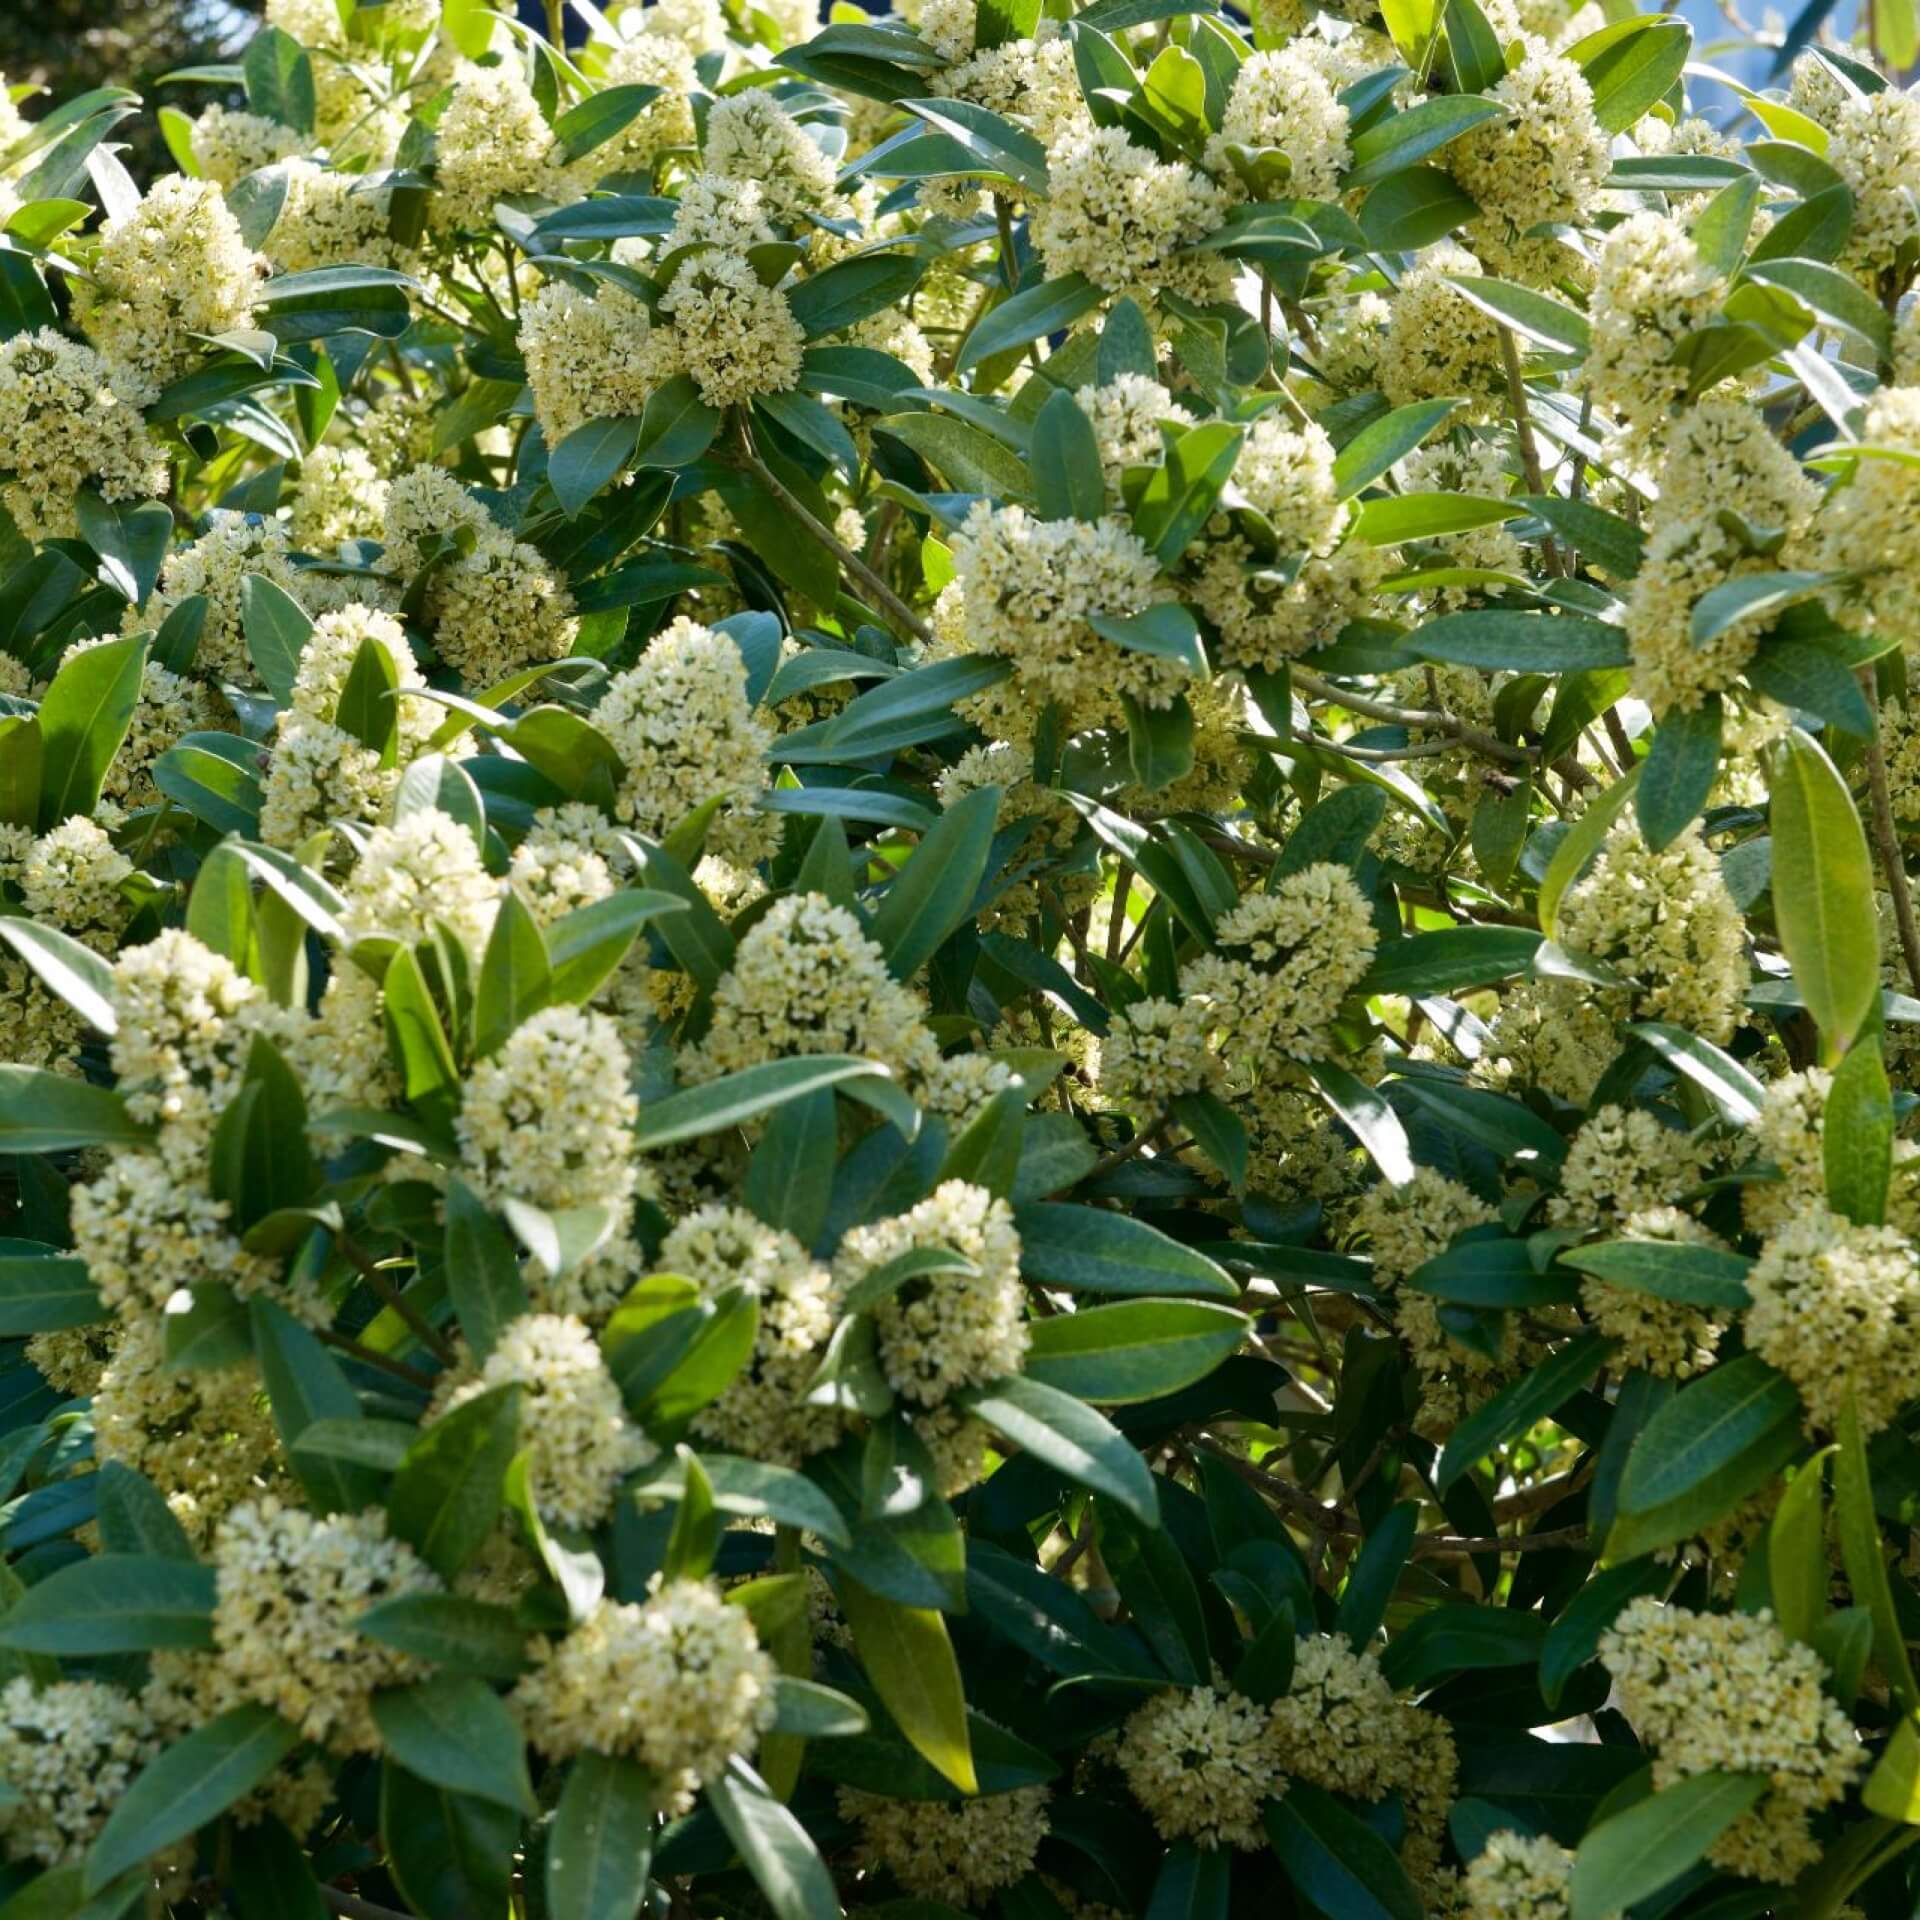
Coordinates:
<point>1834,1308</point>
<point>762,1412</point>
<point>806,979</point>
<point>677,1681</point>
<point>1731,1691</point>
<point>951,1849</point>
<point>549,1118</point>
<point>578,1441</point>
<point>1284,962</point>
<point>1281,100</point>
<point>1336,1724</point>
<point>1201,1765</point>
<point>493,140</point>
<point>1117,213</point>
<point>423,868</point>
<point>963,1323</point>
<point>735,336</point>
<point>233,546</point>
<point>583,355</point>
<point>1666,922</point>
<point>686,733</point>
<point>291,1586</point>
<point>1651,289</point>
<point>68,1753</point>
<point>68,419</point>
<point>1030,586</point>
<point>1517,1876</point>
<point>172,268</point>
<point>1405,1225</point>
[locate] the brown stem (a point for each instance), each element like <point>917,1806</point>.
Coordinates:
<point>877,590</point>
<point>1529,448</point>
<point>1886,838</point>
<point>1426,719</point>
<point>342,1343</point>
<point>368,1268</point>
<point>1138,1144</point>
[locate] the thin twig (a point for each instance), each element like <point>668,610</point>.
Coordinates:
<point>1886,838</point>
<point>368,1268</point>
<point>1529,448</point>
<point>1138,1144</point>
<point>877,590</point>
<point>1433,1546</point>
<point>1426,719</point>
<point>344,1343</point>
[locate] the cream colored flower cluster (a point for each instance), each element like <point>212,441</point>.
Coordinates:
<point>1729,1691</point>
<point>677,1681</point>
<point>951,1850</point>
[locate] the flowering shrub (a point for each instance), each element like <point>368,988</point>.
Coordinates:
<point>960,965</point>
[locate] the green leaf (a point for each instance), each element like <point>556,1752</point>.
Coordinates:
<point>1048,308</point>
<point>516,979</point>
<point>590,456</point>
<point>483,1272</point>
<point>1403,138</point>
<point>1722,1437</point>
<point>74,972</point>
<point>735,1097</point>
<point>1823,890</point>
<point>1856,1130</point>
<point>1365,1111</point>
<point>1450,959</point>
<point>1753,596</point>
<point>773,1846</point>
<point>1379,445</point>
<point>1629,74</point>
<point>1391,518</point>
<point>1158,1588</point>
<point>851,290</point>
<point>1181,494</point>
<point>1721,227</point>
<point>585,947</point>
<point>304,1386</point>
<point>324,301</point>
<point>135,1518</point>
<point>1536,1396</point>
<point>1335,1860</point>
<point>447,1494</point>
<point>1613,545</point>
<point>44,1112</point>
<point>910,1660</point>
<point>84,717</point>
<point>695,1538</point>
<point>596,119</point>
<point>1088,1250</point>
<point>1069,482</point>
<point>43,1293</point>
<point>1652,1843</point>
<point>1865,1558</point>
<point>131,539</point>
<point>932,894</point>
<point>450,1854</point>
<point>1575,1634</point>
<point>1833,298</point>
<point>22,759</point>
<point>1799,1573</point>
<point>971,459</point>
<point>279,77</point>
<point>676,427</point>
<point>1678,772</point>
<point>1499,638</point>
<point>194,1781</point>
<point>991,138</point>
<point>418,1041</point>
<point>1070,1437</point>
<point>455,1732</point>
<point>1168,631</point>
<point>1194,1883</point>
<point>1132,1350</point>
<point>451,1631</point>
<point>1413,207</point>
<point>600,1845</point>
<point>1534,316</point>
<point>1802,675</point>
<point>1701,1276</point>
<point>114,1603</point>
<point>1579,847</point>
